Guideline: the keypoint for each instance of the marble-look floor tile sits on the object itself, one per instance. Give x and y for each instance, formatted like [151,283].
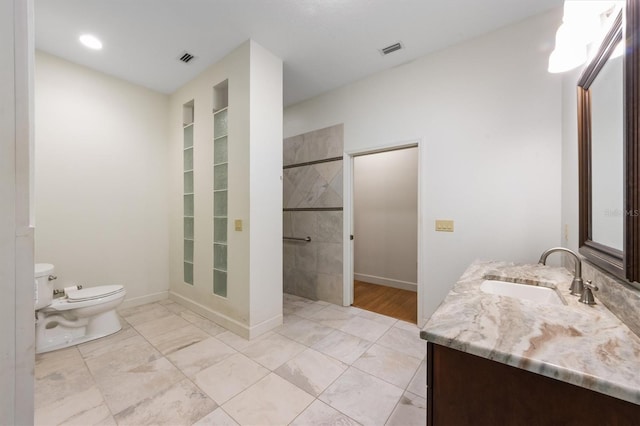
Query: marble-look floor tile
[334,316]
[160,326]
[100,346]
[382,319]
[311,371]
[305,331]
[364,398]
[294,300]
[229,377]
[404,341]
[97,416]
[122,356]
[217,417]
[410,411]
[418,384]
[309,310]
[202,323]
[342,346]
[195,358]
[177,339]
[52,362]
[84,407]
[364,328]
[174,307]
[181,404]
[274,351]
[144,313]
[319,413]
[287,320]
[289,311]
[134,310]
[60,375]
[409,326]
[240,343]
[271,401]
[127,376]
[389,365]
[122,390]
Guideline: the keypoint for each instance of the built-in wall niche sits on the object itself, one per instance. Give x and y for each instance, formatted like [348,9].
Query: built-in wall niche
[221,96]
[188,193]
[220,187]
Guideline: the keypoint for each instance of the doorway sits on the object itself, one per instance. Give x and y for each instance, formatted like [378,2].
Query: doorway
[384,217]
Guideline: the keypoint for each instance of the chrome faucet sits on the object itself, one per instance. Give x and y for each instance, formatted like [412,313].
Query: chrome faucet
[577,285]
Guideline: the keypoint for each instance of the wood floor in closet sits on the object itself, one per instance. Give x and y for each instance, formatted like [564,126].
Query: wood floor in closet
[393,302]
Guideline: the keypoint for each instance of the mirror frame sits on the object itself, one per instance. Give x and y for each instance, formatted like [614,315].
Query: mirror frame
[625,263]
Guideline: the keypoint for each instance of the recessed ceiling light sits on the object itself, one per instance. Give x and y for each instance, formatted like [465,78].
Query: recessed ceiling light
[91,41]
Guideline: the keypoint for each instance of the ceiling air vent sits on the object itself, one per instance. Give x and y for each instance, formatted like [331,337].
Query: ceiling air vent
[390,49]
[186,57]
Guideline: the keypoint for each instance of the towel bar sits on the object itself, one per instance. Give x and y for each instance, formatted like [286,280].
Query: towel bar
[307,239]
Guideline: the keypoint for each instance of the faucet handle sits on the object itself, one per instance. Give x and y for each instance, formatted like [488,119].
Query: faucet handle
[587,296]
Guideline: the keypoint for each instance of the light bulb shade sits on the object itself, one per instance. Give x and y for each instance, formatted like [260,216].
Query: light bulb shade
[562,60]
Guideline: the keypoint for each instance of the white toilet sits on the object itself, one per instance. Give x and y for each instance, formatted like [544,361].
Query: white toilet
[81,315]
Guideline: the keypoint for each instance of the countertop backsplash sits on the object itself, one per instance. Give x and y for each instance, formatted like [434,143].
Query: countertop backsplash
[619,297]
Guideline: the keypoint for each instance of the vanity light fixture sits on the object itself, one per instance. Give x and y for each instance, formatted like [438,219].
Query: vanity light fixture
[570,51]
[582,22]
[90,41]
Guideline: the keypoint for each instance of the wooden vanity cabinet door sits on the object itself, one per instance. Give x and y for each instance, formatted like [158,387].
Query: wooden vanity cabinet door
[464,389]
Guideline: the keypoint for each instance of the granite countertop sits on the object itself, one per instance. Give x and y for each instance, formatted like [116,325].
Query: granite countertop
[585,345]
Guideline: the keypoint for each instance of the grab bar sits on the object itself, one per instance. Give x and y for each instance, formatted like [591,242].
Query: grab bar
[307,239]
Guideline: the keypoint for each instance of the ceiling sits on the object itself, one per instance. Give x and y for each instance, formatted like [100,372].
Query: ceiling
[324,44]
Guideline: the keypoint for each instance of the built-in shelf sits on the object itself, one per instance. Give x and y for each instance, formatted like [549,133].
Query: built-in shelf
[188,192]
[220,187]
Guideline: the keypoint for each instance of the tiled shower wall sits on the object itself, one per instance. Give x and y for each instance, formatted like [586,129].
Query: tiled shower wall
[312,207]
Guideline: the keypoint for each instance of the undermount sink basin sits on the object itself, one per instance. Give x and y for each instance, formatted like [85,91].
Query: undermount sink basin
[521,291]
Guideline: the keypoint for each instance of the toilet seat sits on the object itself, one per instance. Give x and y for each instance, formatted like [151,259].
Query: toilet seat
[94,297]
[91,293]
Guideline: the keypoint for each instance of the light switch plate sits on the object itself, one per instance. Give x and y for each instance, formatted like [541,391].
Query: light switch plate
[238,224]
[444,225]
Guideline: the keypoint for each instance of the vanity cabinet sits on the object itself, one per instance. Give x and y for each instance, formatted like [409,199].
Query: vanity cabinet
[465,389]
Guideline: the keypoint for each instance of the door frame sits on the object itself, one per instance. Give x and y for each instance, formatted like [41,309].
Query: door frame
[348,220]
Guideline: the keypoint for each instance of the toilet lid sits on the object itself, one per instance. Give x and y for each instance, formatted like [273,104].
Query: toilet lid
[93,292]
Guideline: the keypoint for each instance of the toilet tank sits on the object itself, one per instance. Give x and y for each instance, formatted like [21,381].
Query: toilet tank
[43,286]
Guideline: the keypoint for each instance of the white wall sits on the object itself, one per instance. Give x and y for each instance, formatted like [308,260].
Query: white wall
[489,116]
[254,258]
[385,209]
[16,225]
[570,199]
[101,180]
[265,164]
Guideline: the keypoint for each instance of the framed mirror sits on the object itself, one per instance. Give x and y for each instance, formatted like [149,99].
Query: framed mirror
[609,156]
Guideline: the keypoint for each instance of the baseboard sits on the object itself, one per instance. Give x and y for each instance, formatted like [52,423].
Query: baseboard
[372,279]
[265,326]
[142,300]
[230,324]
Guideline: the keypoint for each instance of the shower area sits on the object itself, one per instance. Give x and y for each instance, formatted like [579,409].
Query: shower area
[312,214]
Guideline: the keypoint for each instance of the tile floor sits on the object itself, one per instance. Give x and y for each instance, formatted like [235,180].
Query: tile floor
[326,365]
